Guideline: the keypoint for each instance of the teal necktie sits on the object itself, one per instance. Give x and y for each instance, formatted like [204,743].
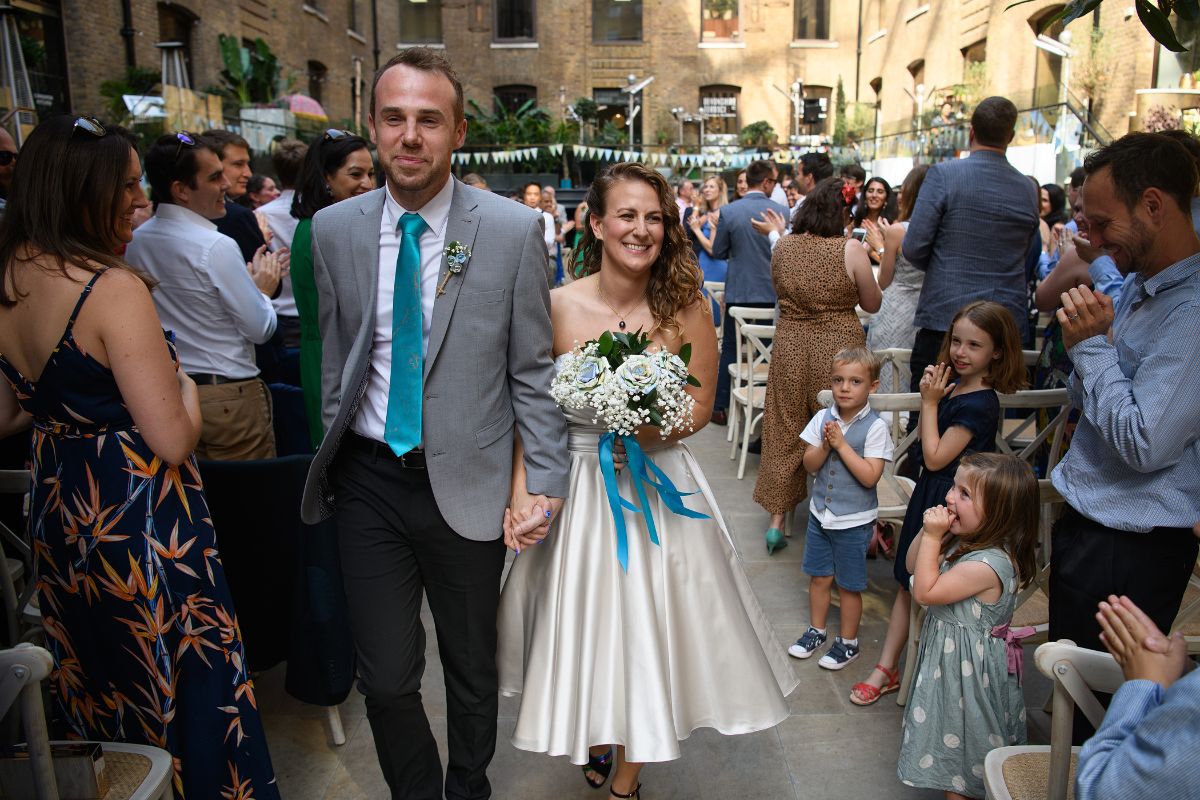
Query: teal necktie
[402,428]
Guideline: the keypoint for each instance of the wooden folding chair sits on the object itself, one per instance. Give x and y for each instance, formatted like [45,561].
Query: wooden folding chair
[136,772]
[741,370]
[1031,771]
[750,398]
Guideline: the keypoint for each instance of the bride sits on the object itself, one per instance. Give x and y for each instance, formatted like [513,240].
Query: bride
[634,660]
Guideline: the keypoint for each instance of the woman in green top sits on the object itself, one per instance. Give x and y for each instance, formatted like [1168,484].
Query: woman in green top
[337,167]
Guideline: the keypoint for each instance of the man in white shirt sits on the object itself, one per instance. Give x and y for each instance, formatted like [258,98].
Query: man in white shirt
[287,158]
[215,302]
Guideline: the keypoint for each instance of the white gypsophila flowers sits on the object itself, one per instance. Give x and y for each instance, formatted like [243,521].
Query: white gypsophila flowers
[616,398]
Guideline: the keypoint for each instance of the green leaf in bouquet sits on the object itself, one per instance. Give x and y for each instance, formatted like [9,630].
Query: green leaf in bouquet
[692,381]
[605,343]
[685,353]
[622,339]
[656,418]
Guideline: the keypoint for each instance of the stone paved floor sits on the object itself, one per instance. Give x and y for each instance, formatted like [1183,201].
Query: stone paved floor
[826,748]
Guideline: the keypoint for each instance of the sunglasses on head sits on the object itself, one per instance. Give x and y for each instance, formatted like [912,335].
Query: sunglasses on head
[184,138]
[91,125]
[333,134]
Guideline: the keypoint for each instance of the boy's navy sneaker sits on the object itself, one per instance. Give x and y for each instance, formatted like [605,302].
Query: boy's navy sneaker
[839,655]
[807,644]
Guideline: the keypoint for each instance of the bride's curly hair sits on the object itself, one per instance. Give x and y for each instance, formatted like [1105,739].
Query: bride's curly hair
[675,278]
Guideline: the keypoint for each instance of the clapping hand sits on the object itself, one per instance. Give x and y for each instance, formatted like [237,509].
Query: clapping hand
[1138,645]
[935,384]
[1085,313]
[833,435]
[771,221]
[875,233]
[1086,250]
[264,270]
[936,522]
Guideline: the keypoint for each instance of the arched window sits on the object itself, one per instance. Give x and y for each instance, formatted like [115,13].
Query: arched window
[514,95]
[317,73]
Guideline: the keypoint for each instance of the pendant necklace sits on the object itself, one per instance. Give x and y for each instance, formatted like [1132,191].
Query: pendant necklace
[619,315]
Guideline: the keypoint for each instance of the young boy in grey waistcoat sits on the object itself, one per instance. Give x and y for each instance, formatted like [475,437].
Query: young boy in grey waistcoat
[848,445]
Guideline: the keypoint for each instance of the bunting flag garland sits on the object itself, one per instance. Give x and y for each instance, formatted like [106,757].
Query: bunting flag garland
[678,160]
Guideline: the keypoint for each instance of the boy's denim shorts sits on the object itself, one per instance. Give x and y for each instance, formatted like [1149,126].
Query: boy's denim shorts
[841,553]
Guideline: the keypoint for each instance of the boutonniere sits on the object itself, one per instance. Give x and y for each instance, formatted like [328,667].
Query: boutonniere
[457,254]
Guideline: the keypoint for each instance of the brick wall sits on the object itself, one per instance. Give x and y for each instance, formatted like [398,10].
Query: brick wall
[895,34]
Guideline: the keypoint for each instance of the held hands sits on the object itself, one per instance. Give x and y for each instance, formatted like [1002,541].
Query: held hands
[771,221]
[527,519]
[1085,313]
[1138,645]
[935,384]
[936,522]
[265,270]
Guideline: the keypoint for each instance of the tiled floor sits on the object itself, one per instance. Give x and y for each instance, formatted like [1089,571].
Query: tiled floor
[827,747]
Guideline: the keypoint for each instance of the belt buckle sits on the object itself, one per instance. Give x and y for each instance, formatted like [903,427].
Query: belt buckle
[410,460]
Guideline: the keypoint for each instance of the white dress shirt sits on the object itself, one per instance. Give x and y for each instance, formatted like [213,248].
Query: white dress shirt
[372,411]
[279,217]
[205,293]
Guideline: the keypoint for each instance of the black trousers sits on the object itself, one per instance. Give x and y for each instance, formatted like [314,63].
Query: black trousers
[1089,561]
[728,353]
[395,546]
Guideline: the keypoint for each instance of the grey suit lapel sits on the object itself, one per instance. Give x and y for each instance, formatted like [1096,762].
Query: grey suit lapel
[461,226]
[365,249]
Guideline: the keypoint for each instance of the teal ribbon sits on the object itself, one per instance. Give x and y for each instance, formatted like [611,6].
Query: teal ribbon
[640,467]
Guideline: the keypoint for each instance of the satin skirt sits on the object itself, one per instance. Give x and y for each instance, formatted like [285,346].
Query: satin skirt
[644,657]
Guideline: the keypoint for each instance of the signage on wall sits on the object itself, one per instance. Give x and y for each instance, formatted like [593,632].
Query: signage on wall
[719,105]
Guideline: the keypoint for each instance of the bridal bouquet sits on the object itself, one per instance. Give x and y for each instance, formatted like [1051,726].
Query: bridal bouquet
[626,385]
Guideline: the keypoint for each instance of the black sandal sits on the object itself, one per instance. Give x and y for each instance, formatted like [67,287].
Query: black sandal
[601,765]
[636,793]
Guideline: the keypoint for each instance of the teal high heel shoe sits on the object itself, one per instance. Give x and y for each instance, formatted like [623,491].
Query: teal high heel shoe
[775,540]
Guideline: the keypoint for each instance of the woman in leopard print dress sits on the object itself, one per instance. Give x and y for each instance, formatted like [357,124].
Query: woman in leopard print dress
[819,276]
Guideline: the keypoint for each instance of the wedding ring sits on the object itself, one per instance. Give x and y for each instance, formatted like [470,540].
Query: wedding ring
[1073,317]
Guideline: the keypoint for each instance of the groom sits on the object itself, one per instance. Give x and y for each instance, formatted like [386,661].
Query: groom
[428,361]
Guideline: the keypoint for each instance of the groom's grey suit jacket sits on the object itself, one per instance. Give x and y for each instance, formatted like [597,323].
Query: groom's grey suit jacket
[489,361]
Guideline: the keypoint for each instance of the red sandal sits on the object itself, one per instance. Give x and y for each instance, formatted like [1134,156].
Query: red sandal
[873,693]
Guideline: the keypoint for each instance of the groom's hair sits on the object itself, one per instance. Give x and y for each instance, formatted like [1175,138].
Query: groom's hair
[425,60]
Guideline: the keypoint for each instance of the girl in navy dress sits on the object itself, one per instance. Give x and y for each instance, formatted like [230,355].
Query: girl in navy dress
[960,413]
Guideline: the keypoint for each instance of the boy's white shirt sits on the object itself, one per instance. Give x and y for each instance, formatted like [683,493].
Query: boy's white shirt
[878,444]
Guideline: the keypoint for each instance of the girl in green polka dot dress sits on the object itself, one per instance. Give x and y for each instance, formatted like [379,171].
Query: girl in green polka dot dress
[968,561]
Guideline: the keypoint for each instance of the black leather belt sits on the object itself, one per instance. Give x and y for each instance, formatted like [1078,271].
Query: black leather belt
[413,459]
[208,379]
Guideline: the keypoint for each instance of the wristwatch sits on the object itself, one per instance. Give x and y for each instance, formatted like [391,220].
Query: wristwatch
[879,251]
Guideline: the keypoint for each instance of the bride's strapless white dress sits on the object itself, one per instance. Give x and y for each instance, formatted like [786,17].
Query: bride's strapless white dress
[640,658]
